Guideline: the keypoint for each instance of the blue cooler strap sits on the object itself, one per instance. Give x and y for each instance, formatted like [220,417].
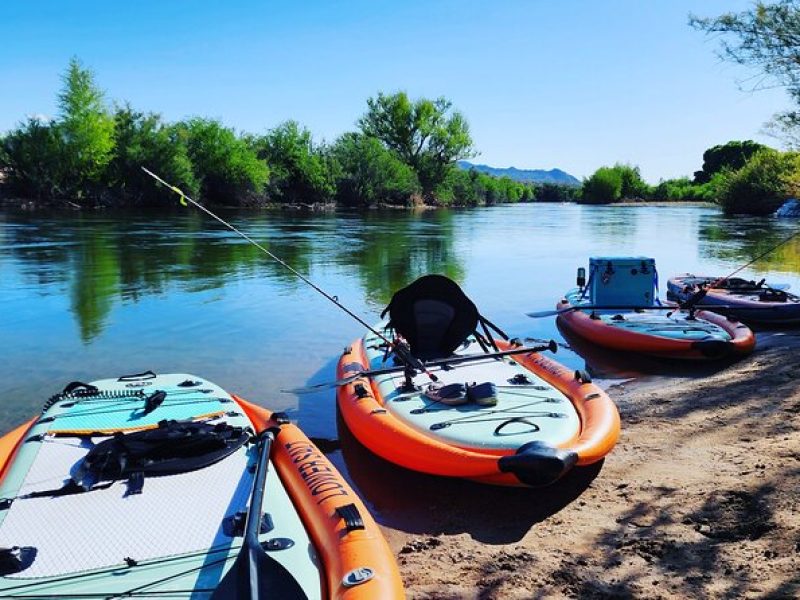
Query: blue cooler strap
[588,283]
[656,299]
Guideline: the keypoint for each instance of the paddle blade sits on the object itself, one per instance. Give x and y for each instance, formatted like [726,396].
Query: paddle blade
[544,313]
[274,581]
[322,386]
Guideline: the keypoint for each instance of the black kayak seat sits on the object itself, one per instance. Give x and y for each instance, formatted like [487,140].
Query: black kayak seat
[434,315]
[172,447]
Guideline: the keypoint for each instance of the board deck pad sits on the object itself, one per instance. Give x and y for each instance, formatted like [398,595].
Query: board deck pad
[71,532]
[550,415]
[173,538]
[658,323]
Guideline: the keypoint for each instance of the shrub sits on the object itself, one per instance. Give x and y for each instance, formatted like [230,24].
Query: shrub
[300,172]
[369,173]
[143,140]
[227,169]
[32,158]
[604,186]
[761,185]
[555,192]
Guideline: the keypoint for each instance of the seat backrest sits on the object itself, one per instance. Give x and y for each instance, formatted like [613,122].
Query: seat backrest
[434,315]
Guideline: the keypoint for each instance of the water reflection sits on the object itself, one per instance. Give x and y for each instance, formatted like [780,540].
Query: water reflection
[743,239]
[602,223]
[97,294]
[390,253]
[103,260]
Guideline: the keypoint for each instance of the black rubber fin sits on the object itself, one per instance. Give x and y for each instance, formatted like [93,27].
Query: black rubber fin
[538,464]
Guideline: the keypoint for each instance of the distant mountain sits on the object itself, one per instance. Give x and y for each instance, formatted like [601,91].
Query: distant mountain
[534,175]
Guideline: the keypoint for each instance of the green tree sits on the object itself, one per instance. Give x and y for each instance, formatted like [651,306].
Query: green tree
[604,186]
[555,192]
[32,158]
[370,173]
[142,140]
[767,38]
[86,127]
[633,186]
[467,187]
[300,172]
[227,169]
[731,156]
[761,185]
[426,134]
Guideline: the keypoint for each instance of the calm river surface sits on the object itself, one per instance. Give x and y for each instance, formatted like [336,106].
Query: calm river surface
[89,296]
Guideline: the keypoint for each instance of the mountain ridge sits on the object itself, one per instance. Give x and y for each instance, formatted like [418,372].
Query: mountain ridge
[556,176]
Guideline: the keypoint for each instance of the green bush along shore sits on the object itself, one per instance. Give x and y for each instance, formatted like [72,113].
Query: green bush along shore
[404,153]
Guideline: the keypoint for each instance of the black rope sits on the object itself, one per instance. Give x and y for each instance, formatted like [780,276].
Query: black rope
[160,561]
[444,424]
[499,331]
[93,411]
[488,333]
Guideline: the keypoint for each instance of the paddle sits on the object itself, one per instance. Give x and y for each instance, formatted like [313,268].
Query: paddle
[255,575]
[551,345]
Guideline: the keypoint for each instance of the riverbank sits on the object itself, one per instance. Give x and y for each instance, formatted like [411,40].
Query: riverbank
[32,206]
[700,499]
[663,203]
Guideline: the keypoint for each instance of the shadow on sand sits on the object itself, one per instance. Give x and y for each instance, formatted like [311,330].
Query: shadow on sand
[426,504]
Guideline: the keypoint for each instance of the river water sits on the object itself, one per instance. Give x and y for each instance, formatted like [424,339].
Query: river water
[93,295]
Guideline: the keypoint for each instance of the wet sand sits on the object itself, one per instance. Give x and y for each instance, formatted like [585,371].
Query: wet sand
[700,499]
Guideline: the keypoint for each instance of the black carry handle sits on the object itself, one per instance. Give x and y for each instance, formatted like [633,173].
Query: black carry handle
[138,376]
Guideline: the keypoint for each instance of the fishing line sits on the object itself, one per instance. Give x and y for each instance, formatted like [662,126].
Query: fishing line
[401,352]
[699,295]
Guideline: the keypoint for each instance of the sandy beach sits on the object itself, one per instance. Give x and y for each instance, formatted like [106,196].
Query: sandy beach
[699,500]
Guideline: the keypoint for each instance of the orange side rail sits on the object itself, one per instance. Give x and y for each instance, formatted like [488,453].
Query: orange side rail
[600,423]
[318,490]
[742,338]
[395,441]
[9,444]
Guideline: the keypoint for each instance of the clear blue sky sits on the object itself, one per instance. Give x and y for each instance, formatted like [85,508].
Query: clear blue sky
[571,84]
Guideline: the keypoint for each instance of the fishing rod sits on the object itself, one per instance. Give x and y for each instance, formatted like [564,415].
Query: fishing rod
[401,349]
[701,293]
[439,362]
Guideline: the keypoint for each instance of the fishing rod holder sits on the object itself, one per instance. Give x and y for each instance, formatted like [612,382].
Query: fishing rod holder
[408,385]
[580,280]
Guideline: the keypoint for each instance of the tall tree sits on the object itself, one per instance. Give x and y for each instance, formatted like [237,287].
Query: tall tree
[144,140]
[86,127]
[766,37]
[426,134]
[733,155]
